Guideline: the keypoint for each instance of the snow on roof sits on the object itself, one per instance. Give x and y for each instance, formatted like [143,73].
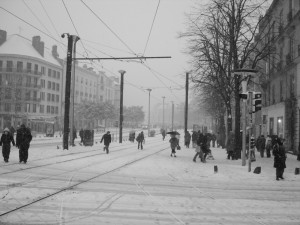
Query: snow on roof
[18,45]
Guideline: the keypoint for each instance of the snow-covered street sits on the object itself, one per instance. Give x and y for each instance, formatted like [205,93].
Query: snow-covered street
[84,185]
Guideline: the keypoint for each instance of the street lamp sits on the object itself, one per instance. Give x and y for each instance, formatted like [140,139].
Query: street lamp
[122,72]
[149,112]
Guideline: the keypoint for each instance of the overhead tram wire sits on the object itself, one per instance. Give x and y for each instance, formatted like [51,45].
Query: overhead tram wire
[49,18]
[117,36]
[74,26]
[151,27]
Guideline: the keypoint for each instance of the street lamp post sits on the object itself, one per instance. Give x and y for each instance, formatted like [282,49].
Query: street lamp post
[122,72]
[149,112]
[163,125]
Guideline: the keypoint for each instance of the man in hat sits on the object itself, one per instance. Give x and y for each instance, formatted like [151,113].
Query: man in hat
[6,138]
[23,140]
[107,140]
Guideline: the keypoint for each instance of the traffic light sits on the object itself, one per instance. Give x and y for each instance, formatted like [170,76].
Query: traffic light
[243,95]
[256,101]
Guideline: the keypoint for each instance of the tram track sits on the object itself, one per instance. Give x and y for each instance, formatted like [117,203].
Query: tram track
[68,187]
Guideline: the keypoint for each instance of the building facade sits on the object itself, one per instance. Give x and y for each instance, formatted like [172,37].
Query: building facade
[281,72]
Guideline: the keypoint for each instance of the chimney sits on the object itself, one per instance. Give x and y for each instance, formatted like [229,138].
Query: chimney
[38,45]
[54,51]
[41,48]
[3,36]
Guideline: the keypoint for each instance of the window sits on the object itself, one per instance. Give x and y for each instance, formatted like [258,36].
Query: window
[35,81]
[48,109]
[58,75]
[49,72]
[54,74]
[18,107]
[280,126]
[49,84]
[48,97]
[271,126]
[43,70]
[9,66]
[56,110]
[57,98]
[36,69]
[27,95]
[43,83]
[28,67]
[7,107]
[42,109]
[35,95]
[53,97]
[19,66]
[7,93]
[42,95]
[57,87]
[52,109]
[53,85]
[27,107]
[18,94]
[34,108]
[28,81]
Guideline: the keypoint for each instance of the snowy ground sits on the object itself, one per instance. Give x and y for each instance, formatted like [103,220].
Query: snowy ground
[84,185]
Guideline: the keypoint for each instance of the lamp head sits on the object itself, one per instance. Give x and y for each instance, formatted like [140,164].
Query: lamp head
[122,71]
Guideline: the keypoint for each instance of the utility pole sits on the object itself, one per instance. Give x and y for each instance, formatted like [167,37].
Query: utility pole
[67,91]
[163,125]
[73,93]
[172,115]
[122,72]
[149,112]
[186,102]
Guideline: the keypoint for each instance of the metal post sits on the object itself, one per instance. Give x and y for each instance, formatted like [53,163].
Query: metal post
[186,102]
[172,115]
[250,132]
[163,125]
[67,93]
[149,112]
[72,92]
[244,90]
[122,72]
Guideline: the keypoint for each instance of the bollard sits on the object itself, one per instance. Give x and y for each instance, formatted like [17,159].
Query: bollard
[215,169]
[297,170]
[257,170]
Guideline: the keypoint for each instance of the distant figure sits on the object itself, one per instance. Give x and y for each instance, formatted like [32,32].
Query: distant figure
[163,133]
[74,135]
[140,139]
[5,141]
[279,159]
[174,142]
[230,145]
[23,140]
[187,139]
[261,145]
[107,140]
[81,132]
[268,147]
[213,138]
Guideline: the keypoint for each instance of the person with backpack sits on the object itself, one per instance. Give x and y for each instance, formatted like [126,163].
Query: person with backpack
[5,141]
[23,140]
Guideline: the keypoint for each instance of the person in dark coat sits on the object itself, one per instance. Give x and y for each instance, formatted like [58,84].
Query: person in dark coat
[261,145]
[201,147]
[163,133]
[230,145]
[187,139]
[140,139]
[81,135]
[279,159]
[107,140]
[174,142]
[5,141]
[23,140]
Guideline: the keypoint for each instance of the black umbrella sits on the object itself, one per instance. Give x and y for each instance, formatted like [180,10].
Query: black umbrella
[173,133]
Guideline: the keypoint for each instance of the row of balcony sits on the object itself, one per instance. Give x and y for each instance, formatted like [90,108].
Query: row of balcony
[20,71]
[21,99]
[20,86]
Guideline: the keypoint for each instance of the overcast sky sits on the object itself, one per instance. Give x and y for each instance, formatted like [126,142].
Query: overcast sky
[118,28]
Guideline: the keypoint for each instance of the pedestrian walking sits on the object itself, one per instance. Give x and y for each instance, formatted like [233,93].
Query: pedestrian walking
[187,139]
[261,145]
[268,147]
[23,140]
[279,159]
[81,132]
[213,138]
[163,133]
[140,139]
[230,145]
[201,145]
[107,140]
[174,143]
[5,141]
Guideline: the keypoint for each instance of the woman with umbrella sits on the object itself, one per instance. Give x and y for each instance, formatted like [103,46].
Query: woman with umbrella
[174,142]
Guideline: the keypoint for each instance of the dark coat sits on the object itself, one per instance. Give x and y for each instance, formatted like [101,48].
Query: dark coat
[279,156]
[5,141]
[187,137]
[24,138]
[140,137]
[81,133]
[174,142]
[107,139]
[194,136]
